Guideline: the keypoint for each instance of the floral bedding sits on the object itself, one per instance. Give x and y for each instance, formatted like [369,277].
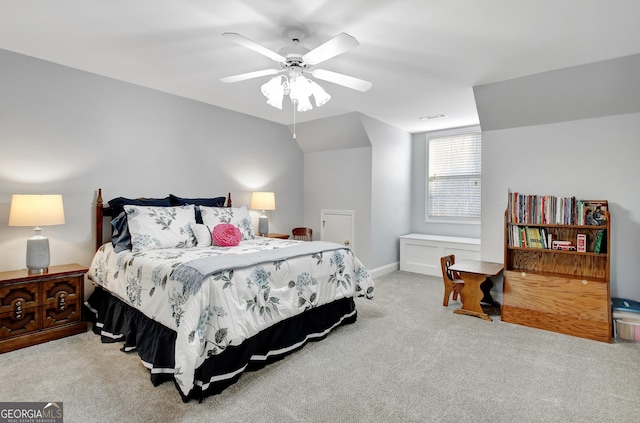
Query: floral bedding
[232,302]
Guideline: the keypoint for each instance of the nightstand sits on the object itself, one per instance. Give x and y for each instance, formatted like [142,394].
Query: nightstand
[39,308]
[281,236]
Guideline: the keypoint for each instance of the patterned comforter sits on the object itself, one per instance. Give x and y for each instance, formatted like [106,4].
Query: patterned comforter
[233,298]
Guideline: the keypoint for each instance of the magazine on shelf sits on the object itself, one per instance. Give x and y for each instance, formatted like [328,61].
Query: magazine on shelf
[595,212]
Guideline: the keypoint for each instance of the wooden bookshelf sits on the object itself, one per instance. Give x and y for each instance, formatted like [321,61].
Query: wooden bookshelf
[564,291]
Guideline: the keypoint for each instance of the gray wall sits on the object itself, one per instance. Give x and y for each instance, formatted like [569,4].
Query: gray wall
[586,148]
[390,190]
[598,89]
[70,132]
[340,180]
[364,166]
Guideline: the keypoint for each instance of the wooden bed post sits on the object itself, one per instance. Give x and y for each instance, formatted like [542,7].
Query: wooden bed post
[99,219]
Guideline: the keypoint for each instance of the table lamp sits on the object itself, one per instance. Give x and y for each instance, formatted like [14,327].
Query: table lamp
[263,201]
[37,211]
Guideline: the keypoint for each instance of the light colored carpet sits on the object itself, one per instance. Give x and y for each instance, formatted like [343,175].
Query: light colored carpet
[406,359]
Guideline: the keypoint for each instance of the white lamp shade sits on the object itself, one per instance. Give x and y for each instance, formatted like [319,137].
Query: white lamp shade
[274,91]
[36,210]
[263,201]
[300,93]
[320,95]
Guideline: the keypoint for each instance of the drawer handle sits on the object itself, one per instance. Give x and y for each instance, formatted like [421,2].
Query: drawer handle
[523,274]
[18,310]
[61,302]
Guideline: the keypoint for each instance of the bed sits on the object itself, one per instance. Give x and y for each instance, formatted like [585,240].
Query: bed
[200,315]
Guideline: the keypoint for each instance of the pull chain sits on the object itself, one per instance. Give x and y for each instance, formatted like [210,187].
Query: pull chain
[294,120]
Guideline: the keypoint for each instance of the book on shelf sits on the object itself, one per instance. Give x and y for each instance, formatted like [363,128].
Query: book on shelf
[538,237]
[528,237]
[581,243]
[534,237]
[522,237]
[554,210]
[601,242]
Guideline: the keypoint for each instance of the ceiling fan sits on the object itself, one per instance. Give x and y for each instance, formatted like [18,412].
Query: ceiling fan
[295,61]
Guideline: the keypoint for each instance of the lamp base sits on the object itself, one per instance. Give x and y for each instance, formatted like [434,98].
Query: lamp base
[38,254]
[263,226]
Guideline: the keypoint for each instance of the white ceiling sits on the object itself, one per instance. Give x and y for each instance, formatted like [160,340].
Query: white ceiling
[423,56]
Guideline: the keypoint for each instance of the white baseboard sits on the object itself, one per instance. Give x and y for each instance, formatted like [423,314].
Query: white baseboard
[383,270]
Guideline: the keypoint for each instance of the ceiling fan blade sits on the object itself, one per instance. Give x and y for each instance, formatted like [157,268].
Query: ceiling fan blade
[249,75]
[344,80]
[245,42]
[335,46]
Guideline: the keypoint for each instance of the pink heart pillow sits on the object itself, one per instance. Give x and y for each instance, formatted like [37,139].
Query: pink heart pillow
[226,235]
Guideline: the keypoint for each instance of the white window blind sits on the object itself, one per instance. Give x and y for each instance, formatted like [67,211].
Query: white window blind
[454,177]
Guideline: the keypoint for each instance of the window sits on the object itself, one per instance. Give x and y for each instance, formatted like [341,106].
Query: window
[454,179]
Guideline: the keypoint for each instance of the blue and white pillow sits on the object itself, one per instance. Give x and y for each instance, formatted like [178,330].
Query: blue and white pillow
[160,227]
[237,216]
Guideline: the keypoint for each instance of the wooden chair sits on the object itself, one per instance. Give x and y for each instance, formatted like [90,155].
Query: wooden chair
[453,283]
[302,234]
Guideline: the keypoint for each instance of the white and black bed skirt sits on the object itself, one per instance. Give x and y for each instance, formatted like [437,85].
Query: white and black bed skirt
[115,321]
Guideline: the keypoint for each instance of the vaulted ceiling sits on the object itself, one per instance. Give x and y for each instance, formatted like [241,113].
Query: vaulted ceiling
[422,56]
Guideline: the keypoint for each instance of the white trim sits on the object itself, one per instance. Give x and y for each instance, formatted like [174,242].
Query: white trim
[281,351]
[158,370]
[384,270]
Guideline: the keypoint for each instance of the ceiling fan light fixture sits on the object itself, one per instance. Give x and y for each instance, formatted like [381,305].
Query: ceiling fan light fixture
[298,88]
[300,92]
[319,94]
[274,91]
[294,60]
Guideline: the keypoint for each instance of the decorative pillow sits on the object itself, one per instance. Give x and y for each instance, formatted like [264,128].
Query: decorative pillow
[226,235]
[202,233]
[237,216]
[160,227]
[211,202]
[120,236]
[117,204]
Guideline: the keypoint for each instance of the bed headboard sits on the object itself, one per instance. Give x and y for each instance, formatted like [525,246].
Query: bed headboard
[103,212]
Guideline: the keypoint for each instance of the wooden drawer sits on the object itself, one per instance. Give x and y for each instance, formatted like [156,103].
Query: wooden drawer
[61,290]
[22,295]
[573,306]
[19,311]
[14,323]
[61,314]
[61,301]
